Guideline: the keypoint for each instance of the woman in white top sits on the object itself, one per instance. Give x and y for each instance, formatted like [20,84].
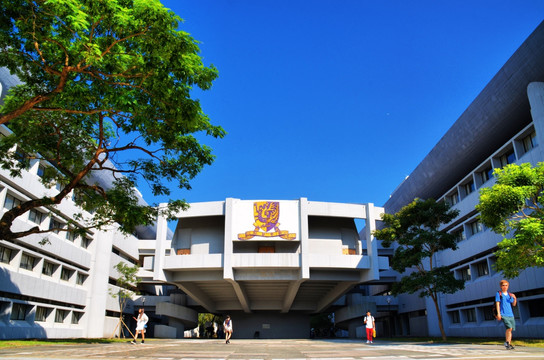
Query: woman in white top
[141,322]
[227,326]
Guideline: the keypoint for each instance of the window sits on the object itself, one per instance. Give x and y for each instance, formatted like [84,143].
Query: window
[48,268]
[41,170]
[76,316]
[452,199]
[465,274]
[18,311]
[471,315]
[529,142]
[535,308]
[80,279]
[486,174]
[56,225]
[459,235]
[11,202]
[488,313]
[66,274]
[507,158]
[469,187]
[27,262]
[85,242]
[5,254]
[71,235]
[42,313]
[455,317]
[35,216]
[482,269]
[60,315]
[476,227]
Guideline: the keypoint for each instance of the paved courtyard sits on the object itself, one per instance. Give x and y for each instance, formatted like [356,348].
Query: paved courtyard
[186,349]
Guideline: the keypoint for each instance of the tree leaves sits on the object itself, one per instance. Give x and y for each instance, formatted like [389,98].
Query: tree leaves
[106,88]
[514,206]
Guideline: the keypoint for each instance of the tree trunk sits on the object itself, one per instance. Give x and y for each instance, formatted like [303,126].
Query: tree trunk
[440,324]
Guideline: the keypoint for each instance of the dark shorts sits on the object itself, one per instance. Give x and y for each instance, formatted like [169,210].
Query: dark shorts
[509,322]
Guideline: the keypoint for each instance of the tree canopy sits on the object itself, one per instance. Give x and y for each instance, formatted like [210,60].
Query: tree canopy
[415,229]
[513,207]
[106,87]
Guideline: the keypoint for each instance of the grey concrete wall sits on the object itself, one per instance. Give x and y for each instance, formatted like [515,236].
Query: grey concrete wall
[270,325]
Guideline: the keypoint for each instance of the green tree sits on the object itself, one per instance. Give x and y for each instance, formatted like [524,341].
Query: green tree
[107,87]
[127,283]
[415,229]
[513,207]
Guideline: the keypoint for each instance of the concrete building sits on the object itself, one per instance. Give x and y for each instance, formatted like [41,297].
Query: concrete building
[269,264]
[503,125]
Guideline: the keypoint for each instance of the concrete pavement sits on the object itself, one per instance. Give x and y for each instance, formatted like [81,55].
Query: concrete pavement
[187,349]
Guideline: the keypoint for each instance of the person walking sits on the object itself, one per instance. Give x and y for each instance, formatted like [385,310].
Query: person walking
[504,301]
[227,326]
[141,324]
[370,327]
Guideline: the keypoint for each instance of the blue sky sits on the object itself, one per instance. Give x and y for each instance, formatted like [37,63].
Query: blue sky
[339,100]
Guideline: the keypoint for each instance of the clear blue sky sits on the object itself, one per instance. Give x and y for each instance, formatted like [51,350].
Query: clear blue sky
[339,100]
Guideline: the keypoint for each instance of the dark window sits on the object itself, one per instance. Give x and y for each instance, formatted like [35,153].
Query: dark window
[11,202]
[48,268]
[476,227]
[471,315]
[459,235]
[507,158]
[5,254]
[18,311]
[469,187]
[529,142]
[66,274]
[35,216]
[42,313]
[55,225]
[85,242]
[76,316]
[482,268]
[465,274]
[452,199]
[455,317]
[80,279]
[486,174]
[60,315]
[27,262]
[535,308]
[488,313]
[41,170]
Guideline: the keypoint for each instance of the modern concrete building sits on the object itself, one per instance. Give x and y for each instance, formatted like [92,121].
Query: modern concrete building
[269,264]
[503,125]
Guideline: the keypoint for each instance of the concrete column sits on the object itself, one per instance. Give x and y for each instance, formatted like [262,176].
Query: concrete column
[535,92]
[97,295]
[162,230]
[304,239]
[228,246]
[371,244]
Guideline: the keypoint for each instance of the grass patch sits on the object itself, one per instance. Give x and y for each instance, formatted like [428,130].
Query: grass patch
[44,342]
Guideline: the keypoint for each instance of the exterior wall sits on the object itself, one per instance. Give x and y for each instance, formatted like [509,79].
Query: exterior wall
[496,124]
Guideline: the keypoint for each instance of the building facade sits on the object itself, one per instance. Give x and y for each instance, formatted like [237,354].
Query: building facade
[503,125]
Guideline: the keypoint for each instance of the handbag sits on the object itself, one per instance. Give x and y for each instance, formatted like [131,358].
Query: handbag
[373,332]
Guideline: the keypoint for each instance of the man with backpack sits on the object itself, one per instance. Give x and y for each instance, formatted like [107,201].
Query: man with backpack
[504,301]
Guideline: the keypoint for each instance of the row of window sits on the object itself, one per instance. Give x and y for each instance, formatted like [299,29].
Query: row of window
[530,308]
[55,225]
[48,268]
[485,172]
[42,314]
[473,271]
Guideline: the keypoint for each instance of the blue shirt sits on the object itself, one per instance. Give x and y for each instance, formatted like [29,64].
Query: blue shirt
[505,303]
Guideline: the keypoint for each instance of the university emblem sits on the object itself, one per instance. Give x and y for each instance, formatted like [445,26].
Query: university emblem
[266,215]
